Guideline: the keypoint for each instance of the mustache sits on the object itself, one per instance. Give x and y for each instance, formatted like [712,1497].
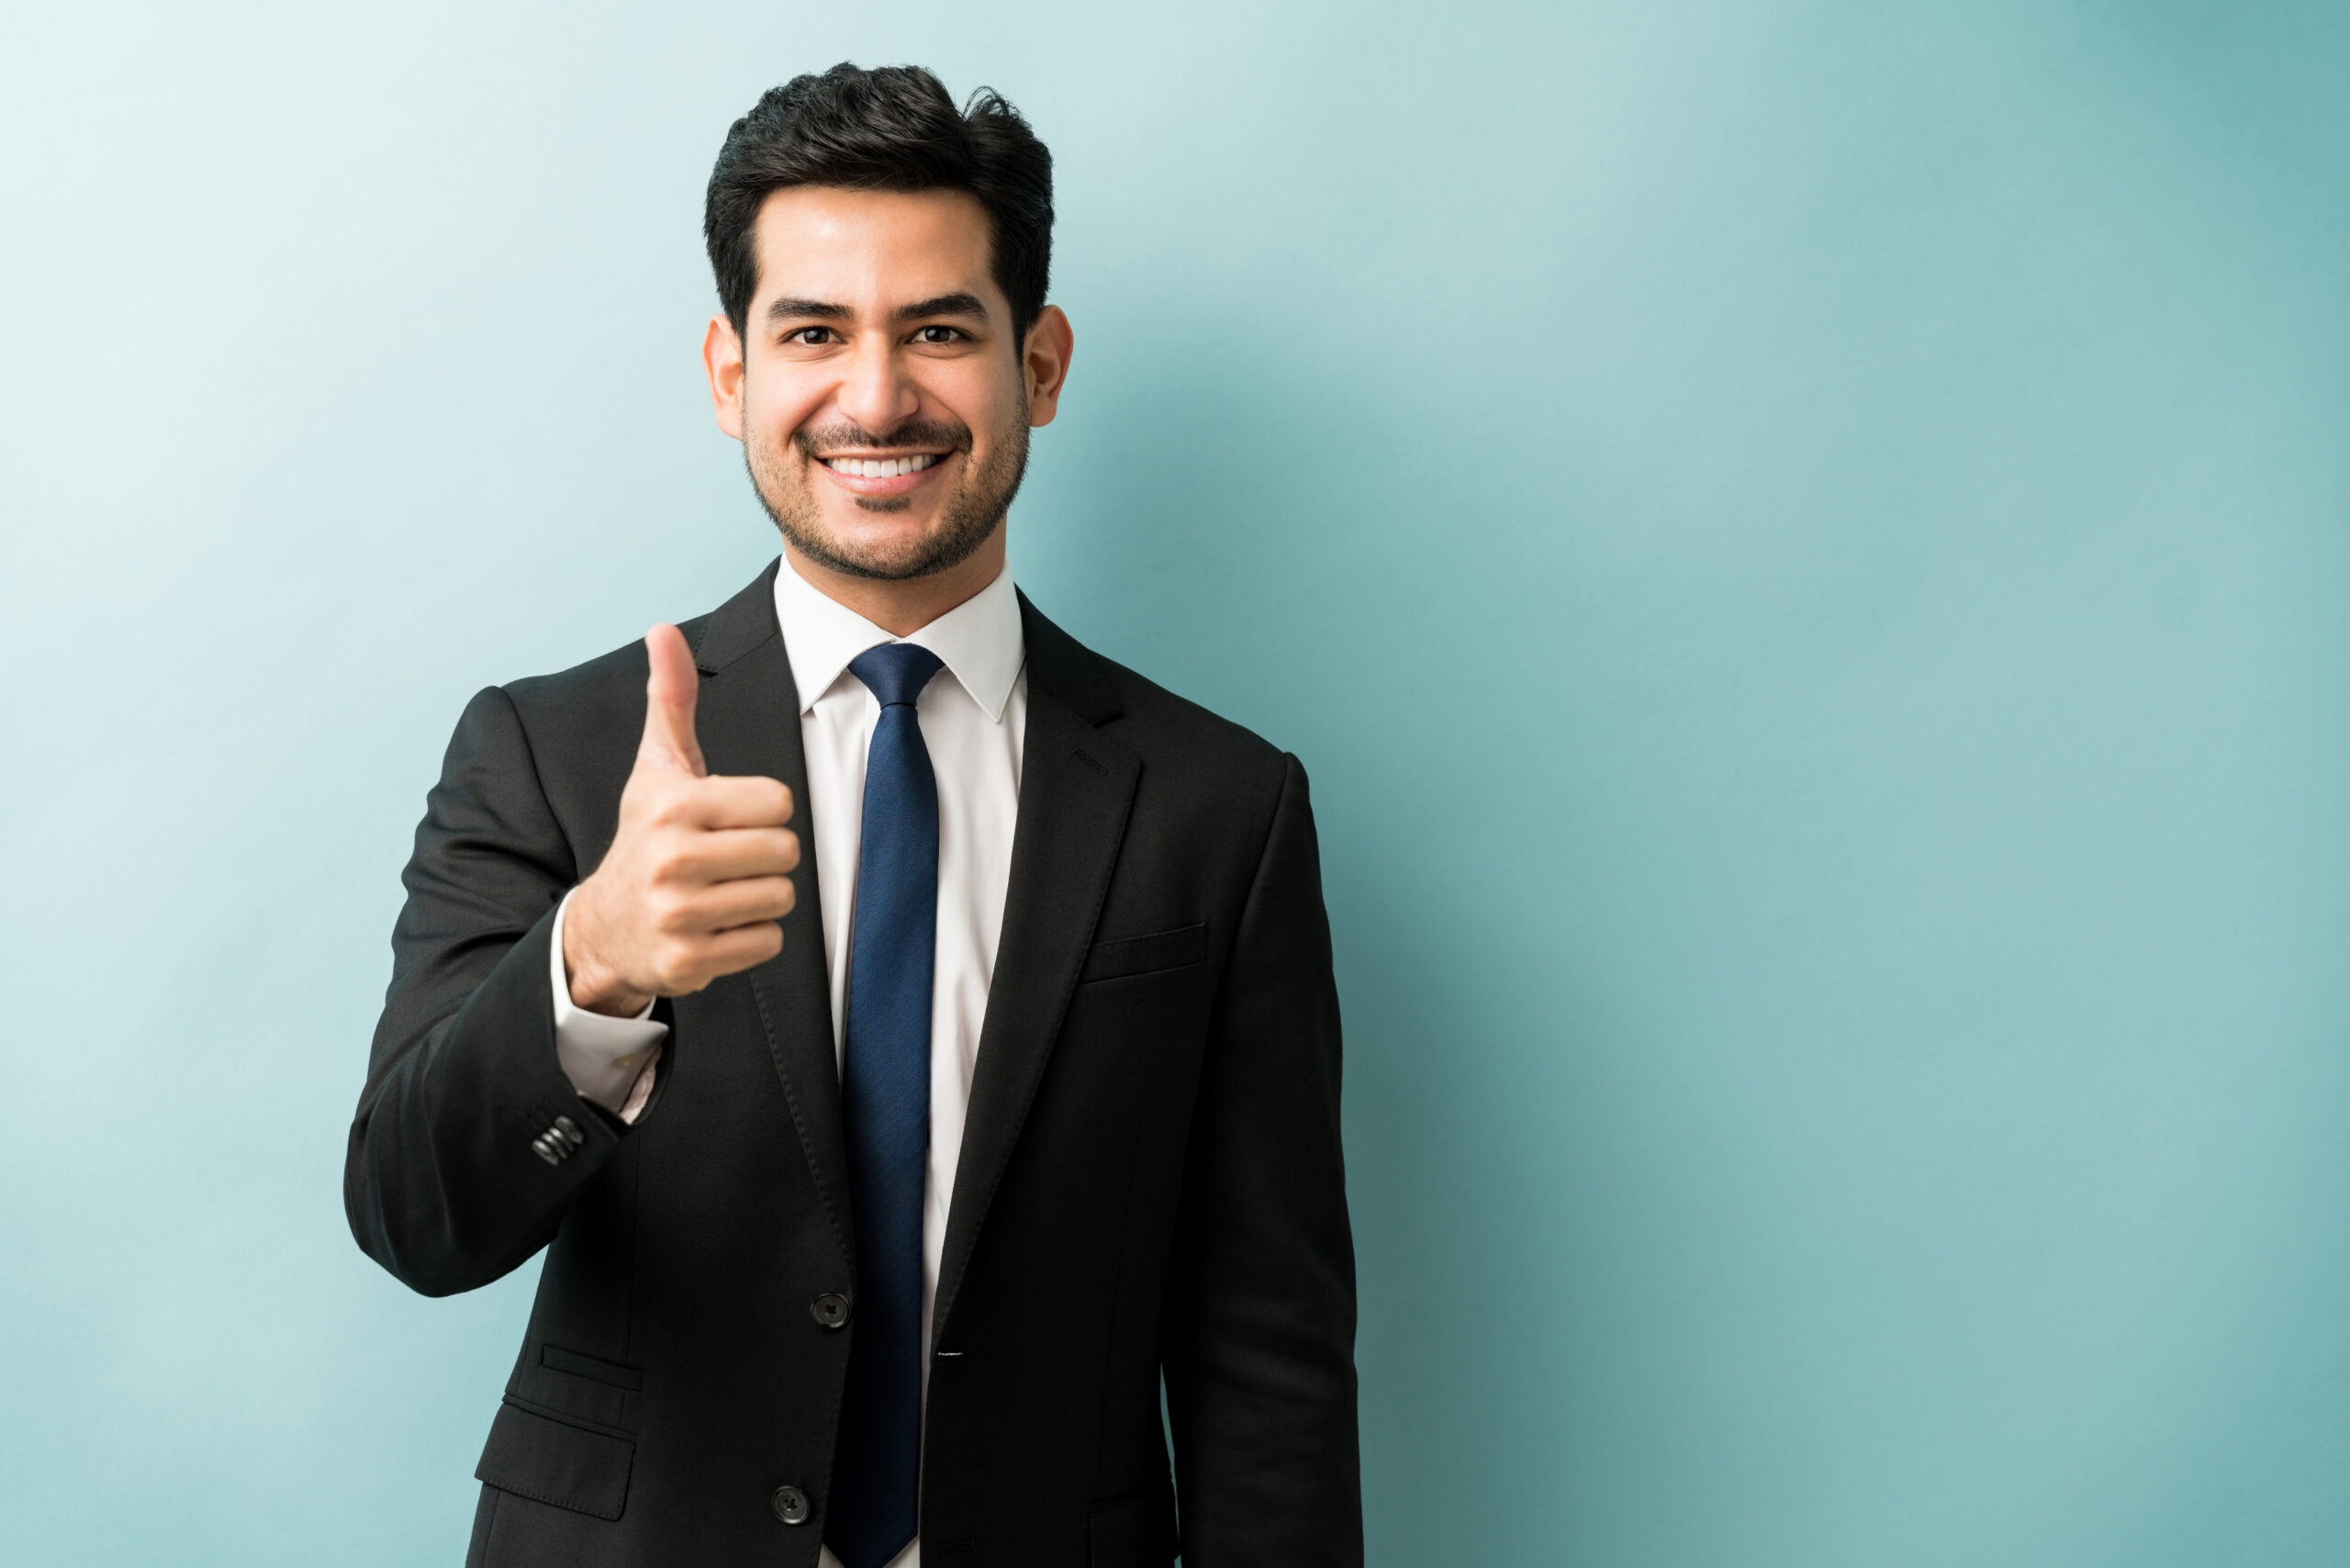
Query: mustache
[815,441]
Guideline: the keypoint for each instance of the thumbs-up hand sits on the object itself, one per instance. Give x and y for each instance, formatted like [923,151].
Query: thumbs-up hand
[698,872]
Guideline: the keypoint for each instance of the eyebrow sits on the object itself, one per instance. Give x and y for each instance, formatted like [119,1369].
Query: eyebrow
[946,305]
[782,308]
[938,305]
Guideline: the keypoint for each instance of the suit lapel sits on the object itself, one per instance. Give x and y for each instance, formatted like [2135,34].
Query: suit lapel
[1076,787]
[748,722]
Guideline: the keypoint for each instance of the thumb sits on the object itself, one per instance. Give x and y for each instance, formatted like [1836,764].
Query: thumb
[669,693]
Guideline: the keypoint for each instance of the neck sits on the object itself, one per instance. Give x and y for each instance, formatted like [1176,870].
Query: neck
[904,606]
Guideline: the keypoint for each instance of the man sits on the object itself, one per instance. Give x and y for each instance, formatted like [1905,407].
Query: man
[911,1035]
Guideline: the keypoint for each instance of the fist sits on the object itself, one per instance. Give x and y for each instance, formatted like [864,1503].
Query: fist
[700,870]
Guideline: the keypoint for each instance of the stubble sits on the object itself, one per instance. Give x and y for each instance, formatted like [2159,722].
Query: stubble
[784,479]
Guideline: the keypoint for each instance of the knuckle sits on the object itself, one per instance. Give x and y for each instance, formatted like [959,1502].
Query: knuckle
[681,972]
[767,942]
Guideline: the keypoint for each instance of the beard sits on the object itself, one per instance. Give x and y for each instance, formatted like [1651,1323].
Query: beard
[782,478]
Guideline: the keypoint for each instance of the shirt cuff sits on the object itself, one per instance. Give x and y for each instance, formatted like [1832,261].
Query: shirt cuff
[609,1061]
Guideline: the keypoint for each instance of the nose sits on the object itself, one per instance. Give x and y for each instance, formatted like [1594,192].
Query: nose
[875,392]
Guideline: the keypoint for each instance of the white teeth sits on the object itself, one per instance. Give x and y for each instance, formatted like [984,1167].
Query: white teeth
[879,467]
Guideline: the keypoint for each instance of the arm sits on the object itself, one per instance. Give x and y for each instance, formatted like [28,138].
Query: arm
[472,1138]
[1260,1312]
[445,1182]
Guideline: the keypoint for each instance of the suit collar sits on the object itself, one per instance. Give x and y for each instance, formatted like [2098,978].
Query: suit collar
[1061,665]
[741,625]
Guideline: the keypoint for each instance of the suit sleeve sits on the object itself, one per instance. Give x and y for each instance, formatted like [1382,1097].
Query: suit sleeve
[1261,1319]
[470,1144]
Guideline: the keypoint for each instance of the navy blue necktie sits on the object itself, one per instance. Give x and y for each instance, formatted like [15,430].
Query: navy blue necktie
[885,1098]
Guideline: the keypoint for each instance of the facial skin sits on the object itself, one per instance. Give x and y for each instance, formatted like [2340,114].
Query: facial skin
[878,334]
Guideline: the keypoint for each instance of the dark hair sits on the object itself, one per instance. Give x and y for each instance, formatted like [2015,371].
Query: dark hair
[889,130]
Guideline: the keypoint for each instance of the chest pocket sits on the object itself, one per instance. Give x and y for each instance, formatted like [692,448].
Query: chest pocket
[1128,956]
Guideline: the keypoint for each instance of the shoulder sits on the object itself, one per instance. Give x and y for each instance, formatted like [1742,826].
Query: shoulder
[572,736]
[590,699]
[1163,724]
[593,697]
[1179,742]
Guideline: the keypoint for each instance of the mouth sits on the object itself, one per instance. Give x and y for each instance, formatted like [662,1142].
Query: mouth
[882,468]
[885,484]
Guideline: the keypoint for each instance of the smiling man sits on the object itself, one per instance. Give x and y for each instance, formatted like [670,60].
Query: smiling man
[910,1035]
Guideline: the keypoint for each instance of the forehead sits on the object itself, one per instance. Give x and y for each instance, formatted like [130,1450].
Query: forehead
[870,250]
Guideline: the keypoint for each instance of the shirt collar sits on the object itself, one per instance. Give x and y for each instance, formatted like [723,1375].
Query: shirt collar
[979,640]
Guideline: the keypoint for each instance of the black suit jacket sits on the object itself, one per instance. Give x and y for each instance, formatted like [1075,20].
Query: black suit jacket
[1150,1181]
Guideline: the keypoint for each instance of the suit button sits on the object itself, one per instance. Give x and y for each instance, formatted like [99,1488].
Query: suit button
[551,1148]
[830,1310]
[791,1505]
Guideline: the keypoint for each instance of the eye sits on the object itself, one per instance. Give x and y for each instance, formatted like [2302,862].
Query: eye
[938,334]
[810,337]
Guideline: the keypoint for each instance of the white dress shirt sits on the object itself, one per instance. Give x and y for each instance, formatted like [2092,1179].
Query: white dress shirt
[974,716]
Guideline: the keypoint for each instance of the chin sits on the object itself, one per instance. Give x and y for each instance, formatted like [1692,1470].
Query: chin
[882,545]
[880,552]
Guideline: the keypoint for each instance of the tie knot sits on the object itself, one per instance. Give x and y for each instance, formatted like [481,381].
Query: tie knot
[895,672]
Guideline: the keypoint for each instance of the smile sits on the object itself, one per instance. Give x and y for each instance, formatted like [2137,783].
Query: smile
[881,467]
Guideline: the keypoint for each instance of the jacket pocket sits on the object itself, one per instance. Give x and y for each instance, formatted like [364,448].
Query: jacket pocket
[579,1364]
[1134,1529]
[535,1454]
[584,1390]
[1145,955]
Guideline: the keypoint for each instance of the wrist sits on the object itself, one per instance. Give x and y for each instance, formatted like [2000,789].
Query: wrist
[593,985]
[590,994]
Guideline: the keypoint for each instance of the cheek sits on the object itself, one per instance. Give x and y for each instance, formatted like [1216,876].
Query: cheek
[988,404]
[776,403]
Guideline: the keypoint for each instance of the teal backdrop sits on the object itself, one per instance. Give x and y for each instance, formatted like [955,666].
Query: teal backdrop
[1804,546]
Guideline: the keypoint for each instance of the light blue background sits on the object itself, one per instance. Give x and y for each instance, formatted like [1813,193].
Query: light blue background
[1804,546]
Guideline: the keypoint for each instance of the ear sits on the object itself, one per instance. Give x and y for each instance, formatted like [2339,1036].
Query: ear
[1045,361]
[721,358]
